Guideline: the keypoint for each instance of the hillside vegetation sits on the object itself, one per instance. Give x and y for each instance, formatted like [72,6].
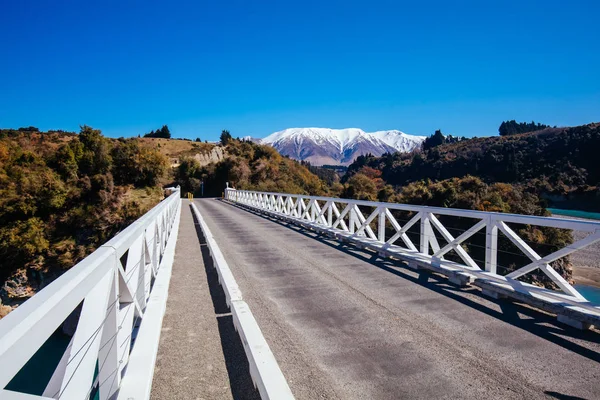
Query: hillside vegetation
[556,163]
[62,195]
[515,173]
[248,166]
[174,149]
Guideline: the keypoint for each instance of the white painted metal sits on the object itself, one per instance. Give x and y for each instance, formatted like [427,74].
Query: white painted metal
[264,369]
[491,245]
[429,253]
[111,299]
[137,382]
[10,395]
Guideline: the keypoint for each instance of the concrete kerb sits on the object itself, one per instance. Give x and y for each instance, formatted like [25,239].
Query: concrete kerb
[264,369]
[568,314]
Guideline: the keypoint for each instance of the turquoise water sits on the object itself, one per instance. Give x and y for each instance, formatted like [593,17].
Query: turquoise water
[36,374]
[575,213]
[589,292]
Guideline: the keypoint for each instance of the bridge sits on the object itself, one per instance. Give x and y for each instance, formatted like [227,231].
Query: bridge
[280,296]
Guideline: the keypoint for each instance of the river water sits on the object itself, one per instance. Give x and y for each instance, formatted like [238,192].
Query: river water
[575,213]
[589,292]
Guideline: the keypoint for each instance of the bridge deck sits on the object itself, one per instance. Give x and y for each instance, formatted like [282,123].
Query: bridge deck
[199,355]
[344,325]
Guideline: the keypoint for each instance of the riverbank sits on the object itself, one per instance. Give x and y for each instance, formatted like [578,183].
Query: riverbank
[586,262]
[588,276]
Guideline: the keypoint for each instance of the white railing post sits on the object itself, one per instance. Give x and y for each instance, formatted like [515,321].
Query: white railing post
[425,232]
[109,376]
[351,220]
[381,225]
[79,373]
[491,245]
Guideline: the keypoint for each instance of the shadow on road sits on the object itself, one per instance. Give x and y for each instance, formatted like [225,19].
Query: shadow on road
[520,315]
[236,362]
[561,396]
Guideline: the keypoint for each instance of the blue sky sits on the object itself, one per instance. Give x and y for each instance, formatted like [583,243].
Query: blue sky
[255,67]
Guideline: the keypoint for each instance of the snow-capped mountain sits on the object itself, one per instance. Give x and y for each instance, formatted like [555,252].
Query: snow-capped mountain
[323,146]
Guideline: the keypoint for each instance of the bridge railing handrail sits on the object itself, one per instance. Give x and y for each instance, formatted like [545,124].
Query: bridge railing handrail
[109,289]
[370,230]
[579,225]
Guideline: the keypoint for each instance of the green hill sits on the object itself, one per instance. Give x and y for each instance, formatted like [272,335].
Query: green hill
[63,194]
[559,164]
[249,166]
[516,173]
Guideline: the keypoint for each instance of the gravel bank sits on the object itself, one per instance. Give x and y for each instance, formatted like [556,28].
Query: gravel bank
[586,262]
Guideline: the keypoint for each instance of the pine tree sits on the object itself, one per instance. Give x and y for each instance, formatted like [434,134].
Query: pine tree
[225,137]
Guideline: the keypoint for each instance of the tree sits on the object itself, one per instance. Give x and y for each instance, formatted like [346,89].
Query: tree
[360,187]
[96,157]
[138,165]
[152,166]
[163,132]
[65,160]
[188,174]
[225,137]
[513,127]
[434,140]
[198,139]
[386,193]
[438,138]
[28,129]
[22,243]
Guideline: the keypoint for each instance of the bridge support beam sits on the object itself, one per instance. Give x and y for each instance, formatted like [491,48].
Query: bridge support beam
[461,279]
[494,294]
[413,265]
[563,319]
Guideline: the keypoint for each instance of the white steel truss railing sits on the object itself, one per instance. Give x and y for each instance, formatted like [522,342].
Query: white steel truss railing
[345,219]
[112,290]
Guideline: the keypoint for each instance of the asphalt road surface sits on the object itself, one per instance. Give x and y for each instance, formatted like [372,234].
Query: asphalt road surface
[344,324]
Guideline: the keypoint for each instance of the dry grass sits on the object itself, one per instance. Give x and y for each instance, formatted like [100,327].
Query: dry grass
[48,142]
[145,197]
[175,148]
[42,143]
[4,310]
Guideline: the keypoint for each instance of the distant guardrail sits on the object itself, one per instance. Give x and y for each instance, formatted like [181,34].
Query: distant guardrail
[115,298]
[424,242]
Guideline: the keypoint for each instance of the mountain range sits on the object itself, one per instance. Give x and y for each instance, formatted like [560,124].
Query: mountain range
[324,146]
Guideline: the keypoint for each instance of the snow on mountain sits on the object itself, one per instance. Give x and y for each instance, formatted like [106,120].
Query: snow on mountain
[324,146]
[399,140]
